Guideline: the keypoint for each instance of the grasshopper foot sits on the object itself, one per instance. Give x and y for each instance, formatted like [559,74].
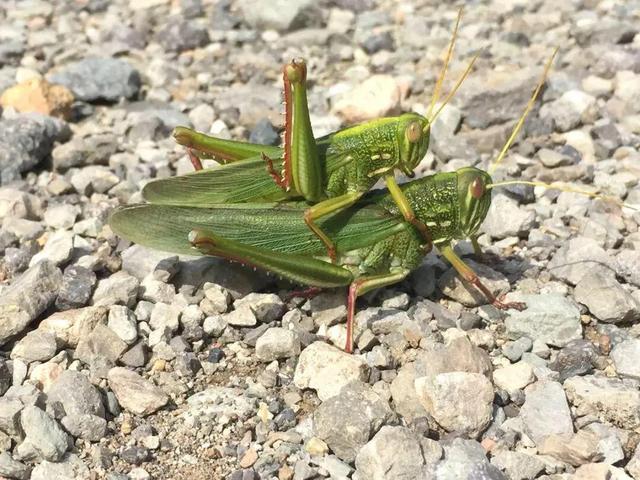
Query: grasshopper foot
[305,293]
[500,304]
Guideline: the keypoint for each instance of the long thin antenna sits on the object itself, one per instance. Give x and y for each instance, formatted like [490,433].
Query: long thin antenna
[455,88]
[528,108]
[443,72]
[562,188]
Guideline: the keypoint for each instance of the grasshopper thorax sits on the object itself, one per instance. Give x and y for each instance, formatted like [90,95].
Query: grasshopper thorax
[413,140]
[474,195]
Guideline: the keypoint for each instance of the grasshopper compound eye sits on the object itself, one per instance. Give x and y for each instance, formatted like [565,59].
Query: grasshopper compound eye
[477,188]
[414,132]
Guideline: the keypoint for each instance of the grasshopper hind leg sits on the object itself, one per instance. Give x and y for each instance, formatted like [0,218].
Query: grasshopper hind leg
[361,286]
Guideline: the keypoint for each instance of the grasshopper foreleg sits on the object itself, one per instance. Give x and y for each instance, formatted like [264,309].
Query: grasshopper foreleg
[195,161]
[467,273]
[407,212]
[279,179]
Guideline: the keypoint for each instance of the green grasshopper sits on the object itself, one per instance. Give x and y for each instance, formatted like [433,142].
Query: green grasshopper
[377,245]
[332,172]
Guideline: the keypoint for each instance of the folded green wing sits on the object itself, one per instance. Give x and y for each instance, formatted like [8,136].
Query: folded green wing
[277,227]
[238,182]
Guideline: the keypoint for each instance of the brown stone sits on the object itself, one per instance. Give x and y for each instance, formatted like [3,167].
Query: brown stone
[38,95]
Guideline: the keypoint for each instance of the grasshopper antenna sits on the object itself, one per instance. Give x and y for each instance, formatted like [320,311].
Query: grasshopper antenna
[443,72]
[563,188]
[527,109]
[455,88]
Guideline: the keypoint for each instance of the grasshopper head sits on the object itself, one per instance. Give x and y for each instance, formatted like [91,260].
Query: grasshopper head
[474,193]
[413,139]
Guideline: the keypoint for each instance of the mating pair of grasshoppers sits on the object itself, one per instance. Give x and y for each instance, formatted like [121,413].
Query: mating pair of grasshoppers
[316,222]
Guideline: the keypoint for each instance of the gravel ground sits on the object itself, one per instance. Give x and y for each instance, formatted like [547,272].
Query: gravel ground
[117,362]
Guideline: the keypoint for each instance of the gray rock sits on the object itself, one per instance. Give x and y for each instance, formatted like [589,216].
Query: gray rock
[37,345]
[552,158]
[101,348]
[514,350]
[6,377]
[575,449]
[570,110]
[136,356]
[156,291]
[506,219]
[277,343]
[72,325]
[70,468]
[576,358]
[626,358]
[99,79]
[552,319]
[397,453]
[181,34]
[264,133]
[513,377]
[606,299]
[26,140]
[27,298]
[628,265]
[123,322]
[496,97]
[545,411]
[10,409]
[23,230]
[633,465]
[61,216]
[473,392]
[43,434]
[82,151]
[12,468]
[466,459]
[347,420]
[579,257]
[119,288]
[169,116]
[58,249]
[241,317]
[608,398]
[141,262]
[85,426]
[214,325]
[75,393]
[281,15]
[267,307]
[93,179]
[166,316]
[134,393]
[609,444]
[75,290]
[518,465]
[459,355]
[327,369]
[403,393]
[217,401]
[187,364]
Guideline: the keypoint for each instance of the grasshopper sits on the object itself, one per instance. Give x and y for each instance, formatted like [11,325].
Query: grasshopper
[378,246]
[331,173]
